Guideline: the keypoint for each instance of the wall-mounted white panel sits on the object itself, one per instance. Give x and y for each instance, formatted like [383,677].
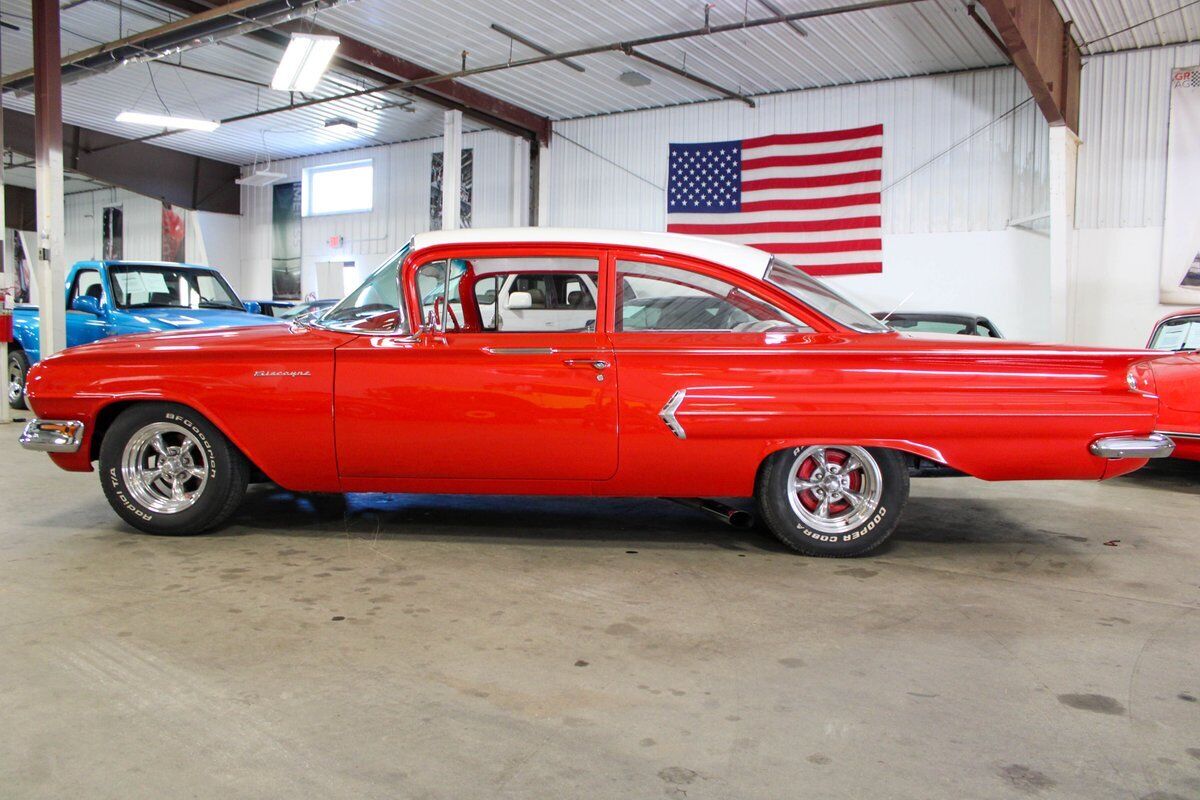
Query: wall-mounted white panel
[1124,99]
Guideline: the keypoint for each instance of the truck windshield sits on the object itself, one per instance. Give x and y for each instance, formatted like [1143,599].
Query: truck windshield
[150,286]
[821,298]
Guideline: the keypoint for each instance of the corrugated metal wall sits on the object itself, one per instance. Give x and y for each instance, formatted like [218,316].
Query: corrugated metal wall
[1125,101]
[957,156]
[401,205]
[84,222]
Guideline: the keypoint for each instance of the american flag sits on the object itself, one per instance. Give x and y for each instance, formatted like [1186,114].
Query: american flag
[811,198]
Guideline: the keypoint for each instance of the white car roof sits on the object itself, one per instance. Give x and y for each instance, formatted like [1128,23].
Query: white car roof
[735,256]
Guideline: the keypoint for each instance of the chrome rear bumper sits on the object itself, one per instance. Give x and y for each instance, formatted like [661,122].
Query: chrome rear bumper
[52,435]
[1153,446]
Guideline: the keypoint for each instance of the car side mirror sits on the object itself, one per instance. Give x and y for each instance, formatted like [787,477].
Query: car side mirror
[253,307]
[86,304]
[518,301]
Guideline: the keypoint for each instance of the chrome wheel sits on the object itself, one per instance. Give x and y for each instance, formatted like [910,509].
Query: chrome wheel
[165,467]
[833,489]
[16,383]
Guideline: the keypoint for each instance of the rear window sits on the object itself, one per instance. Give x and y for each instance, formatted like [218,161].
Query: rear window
[1181,333]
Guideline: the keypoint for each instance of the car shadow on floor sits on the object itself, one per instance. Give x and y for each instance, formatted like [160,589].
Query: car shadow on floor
[586,521]
[1172,474]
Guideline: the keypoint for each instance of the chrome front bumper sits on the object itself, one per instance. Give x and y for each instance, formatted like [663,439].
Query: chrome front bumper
[52,435]
[1153,446]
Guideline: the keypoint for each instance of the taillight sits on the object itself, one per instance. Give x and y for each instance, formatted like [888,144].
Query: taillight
[1140,379]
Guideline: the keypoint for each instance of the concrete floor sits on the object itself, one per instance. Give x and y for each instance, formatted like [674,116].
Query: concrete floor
[433,647]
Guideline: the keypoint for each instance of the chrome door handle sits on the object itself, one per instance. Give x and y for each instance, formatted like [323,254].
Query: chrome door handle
[587,362]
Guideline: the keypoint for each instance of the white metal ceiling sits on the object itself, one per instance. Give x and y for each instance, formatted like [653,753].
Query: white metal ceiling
[930,36]
[1104,26]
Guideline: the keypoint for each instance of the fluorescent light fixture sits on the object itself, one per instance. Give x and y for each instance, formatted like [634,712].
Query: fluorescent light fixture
[304,62]
[260,178]
[632,78]
[165,121]
[341,122]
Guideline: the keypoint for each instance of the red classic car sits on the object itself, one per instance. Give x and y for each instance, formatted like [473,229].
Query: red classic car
[1179,333]
[481,361]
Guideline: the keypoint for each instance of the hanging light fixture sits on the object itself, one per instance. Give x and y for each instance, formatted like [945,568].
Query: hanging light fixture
[168,121]
[304,62]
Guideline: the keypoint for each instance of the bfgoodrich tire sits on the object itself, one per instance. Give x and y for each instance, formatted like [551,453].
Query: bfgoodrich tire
[17,372]
[167,470]
[832,500]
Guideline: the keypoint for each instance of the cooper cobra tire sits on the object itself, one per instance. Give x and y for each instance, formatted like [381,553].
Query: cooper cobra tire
[866,489]
[17,372]
[167,470]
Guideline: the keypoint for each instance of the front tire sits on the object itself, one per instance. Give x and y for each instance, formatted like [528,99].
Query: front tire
[167,470]
[17,373]
[832,500]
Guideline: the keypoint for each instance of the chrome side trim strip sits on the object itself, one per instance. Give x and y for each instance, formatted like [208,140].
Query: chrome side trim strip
[667,414]
[1153,446]
[1179,435]
[52,435]
[520,351]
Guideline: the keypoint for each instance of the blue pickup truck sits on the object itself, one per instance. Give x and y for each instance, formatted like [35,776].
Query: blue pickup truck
[109,298]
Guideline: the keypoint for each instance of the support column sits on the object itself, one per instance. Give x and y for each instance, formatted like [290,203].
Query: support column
[50,272]
[541,210]
[7,281]
[451,169]
[1064,153]
[518,208]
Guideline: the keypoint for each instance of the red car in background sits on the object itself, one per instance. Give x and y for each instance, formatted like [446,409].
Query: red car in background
[1179,416]
[538,361]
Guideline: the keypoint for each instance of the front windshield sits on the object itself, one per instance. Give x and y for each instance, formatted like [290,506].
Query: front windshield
[149,286]
[1182,333]
[821,298]
[373,306]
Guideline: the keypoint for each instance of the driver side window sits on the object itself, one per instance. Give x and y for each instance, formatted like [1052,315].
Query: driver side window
[654,297]
[87,284]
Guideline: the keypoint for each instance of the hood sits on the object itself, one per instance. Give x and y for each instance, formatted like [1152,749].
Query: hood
[168,319]
[257,338]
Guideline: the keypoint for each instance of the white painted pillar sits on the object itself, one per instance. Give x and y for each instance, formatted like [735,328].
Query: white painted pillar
[451,169]
[543,183]
[1064,154]
[51,269]
[519,183]
[6,279]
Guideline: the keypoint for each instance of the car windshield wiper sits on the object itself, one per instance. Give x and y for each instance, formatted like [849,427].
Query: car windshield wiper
[215,304]
[151,305]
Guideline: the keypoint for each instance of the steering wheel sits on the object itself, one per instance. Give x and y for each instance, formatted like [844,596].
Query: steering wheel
[451,317]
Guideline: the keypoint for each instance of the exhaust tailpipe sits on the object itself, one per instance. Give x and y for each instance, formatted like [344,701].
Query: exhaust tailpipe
[734,517]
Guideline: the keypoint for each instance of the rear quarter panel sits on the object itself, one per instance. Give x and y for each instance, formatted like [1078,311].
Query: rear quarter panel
[990,410]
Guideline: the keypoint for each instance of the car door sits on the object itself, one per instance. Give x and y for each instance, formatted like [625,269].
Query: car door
[462,401]
[82,326]
[703,354]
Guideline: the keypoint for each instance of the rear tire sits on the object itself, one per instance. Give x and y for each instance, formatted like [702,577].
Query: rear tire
[832,500]
[167,470]
[18,374]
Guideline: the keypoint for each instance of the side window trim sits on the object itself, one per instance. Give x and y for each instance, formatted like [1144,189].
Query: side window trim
[598,255]
[760,291]
[737,283]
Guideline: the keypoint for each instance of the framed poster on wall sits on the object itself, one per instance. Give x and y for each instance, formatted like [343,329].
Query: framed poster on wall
[174,233]
[113,236]
[1180,270]
[435,190]
[285,241]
